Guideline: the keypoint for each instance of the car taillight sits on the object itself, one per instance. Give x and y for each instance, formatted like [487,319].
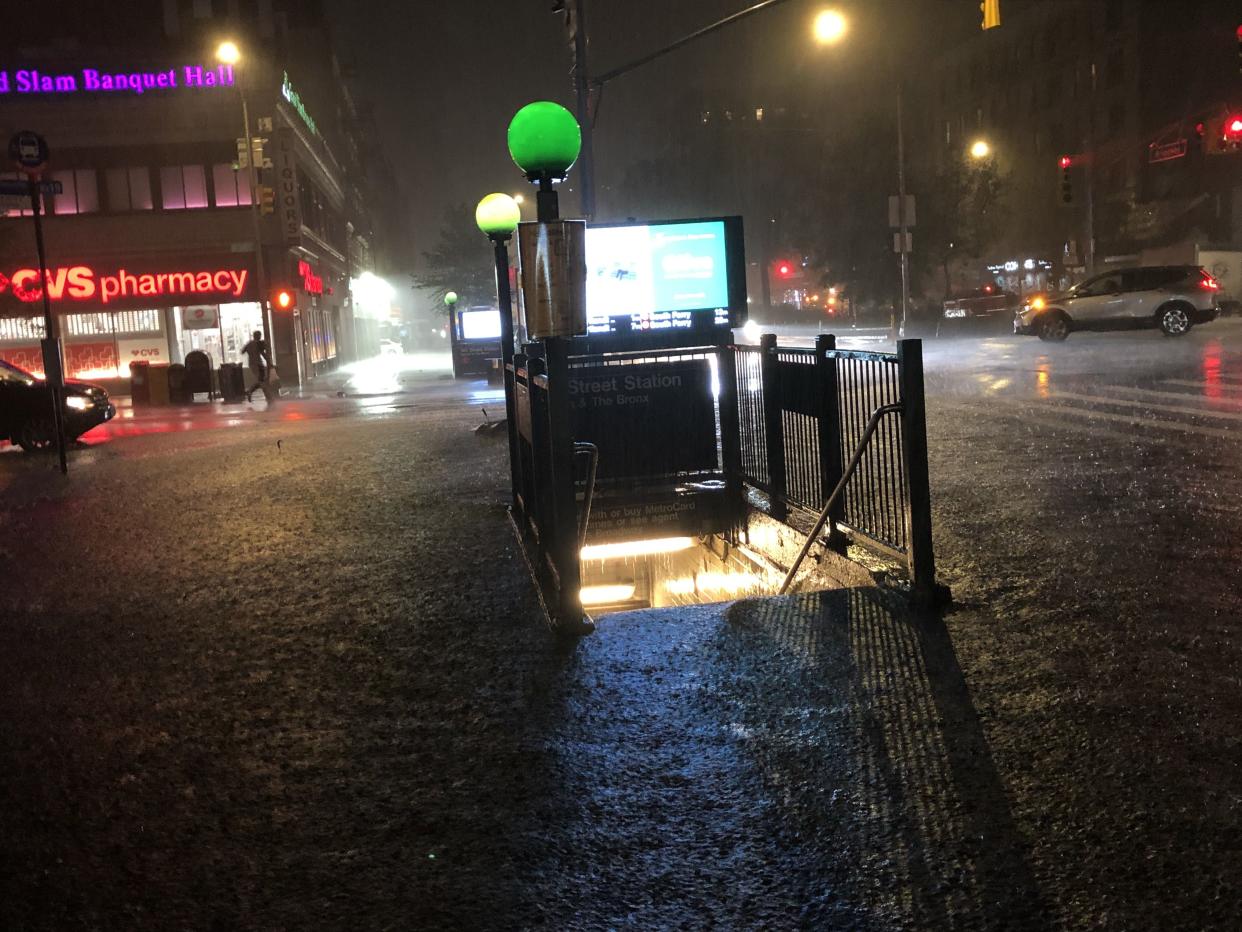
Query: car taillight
[1208,283]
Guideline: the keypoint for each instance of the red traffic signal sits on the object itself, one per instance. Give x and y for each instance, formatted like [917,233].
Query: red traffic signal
[284,300]
[1066,162]
[1233,128]
[784,268]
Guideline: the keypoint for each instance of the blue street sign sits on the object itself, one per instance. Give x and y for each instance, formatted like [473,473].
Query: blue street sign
[10,186]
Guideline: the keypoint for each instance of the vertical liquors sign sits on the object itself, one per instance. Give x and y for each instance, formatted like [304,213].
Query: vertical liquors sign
[288,205]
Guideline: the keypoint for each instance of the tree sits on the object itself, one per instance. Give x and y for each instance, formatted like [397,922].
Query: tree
[840,212]
[961,214]
[462,261]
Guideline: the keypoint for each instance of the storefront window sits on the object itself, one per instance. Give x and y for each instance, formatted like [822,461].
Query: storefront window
[17,329]
[128,189]
[14,211]
[322,335]
[76,325]
[184,187]
[79,194]
[98,345]
[232,186]
[223,340]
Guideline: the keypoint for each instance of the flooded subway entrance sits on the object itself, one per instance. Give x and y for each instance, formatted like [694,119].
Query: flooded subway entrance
[672,571]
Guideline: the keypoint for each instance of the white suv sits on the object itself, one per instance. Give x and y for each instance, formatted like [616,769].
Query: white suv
[1171,297]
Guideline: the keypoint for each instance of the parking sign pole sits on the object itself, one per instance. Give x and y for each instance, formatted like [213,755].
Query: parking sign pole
[52,360]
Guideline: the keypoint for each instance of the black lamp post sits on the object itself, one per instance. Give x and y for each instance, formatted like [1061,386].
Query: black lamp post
[498,215]
[544,141]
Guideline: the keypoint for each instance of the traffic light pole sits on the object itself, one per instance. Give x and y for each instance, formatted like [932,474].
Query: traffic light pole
[586,120]
[260,267]
[901,211]
[54,373]
[584,84]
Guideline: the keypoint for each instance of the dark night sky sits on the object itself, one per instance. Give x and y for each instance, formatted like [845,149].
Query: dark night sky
[447,76]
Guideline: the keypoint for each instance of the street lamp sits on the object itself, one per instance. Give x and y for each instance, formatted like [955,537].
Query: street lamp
[980,150]
[544,142]
[498,216]
[830,27]
[228,53]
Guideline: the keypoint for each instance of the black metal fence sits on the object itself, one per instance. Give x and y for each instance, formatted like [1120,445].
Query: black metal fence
[545,511]
[803,414]
[785,421]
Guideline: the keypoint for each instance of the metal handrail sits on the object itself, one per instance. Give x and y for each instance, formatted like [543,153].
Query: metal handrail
[591,450]
[872,424]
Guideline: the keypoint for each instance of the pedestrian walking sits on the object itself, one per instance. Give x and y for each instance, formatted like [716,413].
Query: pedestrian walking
[258,358]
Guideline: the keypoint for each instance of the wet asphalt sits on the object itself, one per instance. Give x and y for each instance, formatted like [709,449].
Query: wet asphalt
[306,685]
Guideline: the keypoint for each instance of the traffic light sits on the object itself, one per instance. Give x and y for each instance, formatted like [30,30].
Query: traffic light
[1231,131]
[267,199]
[991,13]
[283,299]
[784,269]
[1223,135]
[1066,163]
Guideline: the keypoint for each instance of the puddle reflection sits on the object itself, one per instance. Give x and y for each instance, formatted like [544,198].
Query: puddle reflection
[1043,380]
[1211,371]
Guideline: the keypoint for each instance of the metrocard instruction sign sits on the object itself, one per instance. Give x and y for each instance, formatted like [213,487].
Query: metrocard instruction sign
[118,287]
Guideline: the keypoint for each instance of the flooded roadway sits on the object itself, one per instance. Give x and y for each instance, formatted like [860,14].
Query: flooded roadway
[251,684]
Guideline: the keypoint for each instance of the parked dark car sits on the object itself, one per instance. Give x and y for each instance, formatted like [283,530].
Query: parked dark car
[26,409]
[986,309]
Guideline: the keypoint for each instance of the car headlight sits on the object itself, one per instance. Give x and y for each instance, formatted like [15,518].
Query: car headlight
[1037,304]
[77,402]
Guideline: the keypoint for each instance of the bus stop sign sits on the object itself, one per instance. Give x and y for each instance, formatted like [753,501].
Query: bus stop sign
[28,152]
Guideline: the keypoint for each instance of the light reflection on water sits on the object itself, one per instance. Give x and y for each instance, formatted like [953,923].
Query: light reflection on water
[1211,371]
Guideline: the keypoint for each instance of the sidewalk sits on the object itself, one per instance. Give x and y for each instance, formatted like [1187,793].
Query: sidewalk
[810,761]
[306,684]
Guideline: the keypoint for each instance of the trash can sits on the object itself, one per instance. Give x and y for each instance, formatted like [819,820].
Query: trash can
[232,382]
[198,375]
[157,380]
[178,385]
[140,383]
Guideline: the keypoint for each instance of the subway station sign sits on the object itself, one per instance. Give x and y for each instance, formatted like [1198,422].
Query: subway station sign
[98,80]
[651,419]
[126,285]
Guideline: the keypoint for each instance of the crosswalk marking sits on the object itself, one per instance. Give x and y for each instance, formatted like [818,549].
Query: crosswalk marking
[1146,422]
[1229,400]
[1204,386]
[1044,412]
[1149,406]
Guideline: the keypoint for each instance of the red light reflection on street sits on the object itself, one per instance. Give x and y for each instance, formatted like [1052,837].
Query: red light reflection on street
[1211,371]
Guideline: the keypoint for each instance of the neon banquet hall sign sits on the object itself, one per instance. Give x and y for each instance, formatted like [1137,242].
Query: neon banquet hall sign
[95,80]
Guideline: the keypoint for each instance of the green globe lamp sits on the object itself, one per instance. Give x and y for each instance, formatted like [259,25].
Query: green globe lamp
[450,299]
[544,140]
[498,216]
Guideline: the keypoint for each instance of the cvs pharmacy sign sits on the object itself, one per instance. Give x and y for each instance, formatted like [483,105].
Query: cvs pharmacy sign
[83,283]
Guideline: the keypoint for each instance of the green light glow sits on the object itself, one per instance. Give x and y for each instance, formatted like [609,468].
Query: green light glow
[498,215]
[544,138]
[451,298]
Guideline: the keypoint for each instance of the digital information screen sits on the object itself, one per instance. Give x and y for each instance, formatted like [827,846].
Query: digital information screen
[661,276]
[480,325]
